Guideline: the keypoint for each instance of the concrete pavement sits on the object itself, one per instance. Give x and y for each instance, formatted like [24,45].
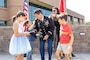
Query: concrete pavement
[36,56]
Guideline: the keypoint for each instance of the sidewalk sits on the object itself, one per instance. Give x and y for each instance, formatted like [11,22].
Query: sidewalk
[36,56]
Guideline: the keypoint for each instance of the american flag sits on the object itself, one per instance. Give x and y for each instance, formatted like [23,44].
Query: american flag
[25,7]
[25,10]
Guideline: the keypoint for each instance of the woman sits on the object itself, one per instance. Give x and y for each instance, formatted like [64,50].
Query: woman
[19,44]
[55,12]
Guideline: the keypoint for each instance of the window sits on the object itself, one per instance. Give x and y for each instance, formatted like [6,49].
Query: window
[75,19]
[81,21]
[3,23]
[32,7]
[69,18]
[3,3]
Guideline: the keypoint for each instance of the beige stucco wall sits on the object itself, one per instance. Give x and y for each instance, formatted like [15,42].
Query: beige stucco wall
[81,41]
[51,2]
[47,3]
[72,13]
[37,2]
[3,13]
[13,6]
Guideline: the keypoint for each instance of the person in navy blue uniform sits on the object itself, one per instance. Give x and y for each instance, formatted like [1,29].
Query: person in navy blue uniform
[45,27]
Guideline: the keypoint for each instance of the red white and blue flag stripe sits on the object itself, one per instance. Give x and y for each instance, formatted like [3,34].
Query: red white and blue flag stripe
[25,10]
[25,7]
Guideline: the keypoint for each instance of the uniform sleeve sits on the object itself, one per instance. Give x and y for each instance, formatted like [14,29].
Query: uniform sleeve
[51,27]
[36,26]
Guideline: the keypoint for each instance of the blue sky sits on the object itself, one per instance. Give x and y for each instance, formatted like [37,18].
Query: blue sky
[80,6]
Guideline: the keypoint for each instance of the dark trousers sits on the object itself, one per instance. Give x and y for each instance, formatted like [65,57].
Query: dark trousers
[31,40]
[42,50]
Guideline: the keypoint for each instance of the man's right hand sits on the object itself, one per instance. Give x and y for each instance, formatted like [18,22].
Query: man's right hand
[45,37]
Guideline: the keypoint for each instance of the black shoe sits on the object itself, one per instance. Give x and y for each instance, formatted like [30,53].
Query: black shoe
[24,55]
[62,57]
[73,55]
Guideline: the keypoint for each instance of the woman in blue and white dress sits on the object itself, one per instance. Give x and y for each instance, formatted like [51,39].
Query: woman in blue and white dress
[19,44]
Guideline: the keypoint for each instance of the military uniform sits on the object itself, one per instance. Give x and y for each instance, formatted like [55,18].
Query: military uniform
[45,27]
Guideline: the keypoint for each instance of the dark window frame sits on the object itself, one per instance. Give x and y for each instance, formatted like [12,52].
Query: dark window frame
[5,4]
[3,23]
[38,6]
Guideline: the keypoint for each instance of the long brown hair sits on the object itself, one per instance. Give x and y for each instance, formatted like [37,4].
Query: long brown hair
[58,12]
[14,18]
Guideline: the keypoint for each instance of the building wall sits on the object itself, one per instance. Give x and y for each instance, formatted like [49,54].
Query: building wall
[51,2]
[81,41]
[81,38]
[72,13]
[37,2]
[13,6]
[76,15]
[3,13]
[5,35]
[54,3]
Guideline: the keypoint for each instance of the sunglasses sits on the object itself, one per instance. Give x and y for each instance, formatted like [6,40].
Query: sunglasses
[53,10]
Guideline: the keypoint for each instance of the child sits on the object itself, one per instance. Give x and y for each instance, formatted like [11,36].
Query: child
[66,38]
[31,37]
[19,44]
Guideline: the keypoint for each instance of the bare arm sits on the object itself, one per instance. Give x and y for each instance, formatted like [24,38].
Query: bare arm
[71,42]
[15,28]
[31,27]
[71,39]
